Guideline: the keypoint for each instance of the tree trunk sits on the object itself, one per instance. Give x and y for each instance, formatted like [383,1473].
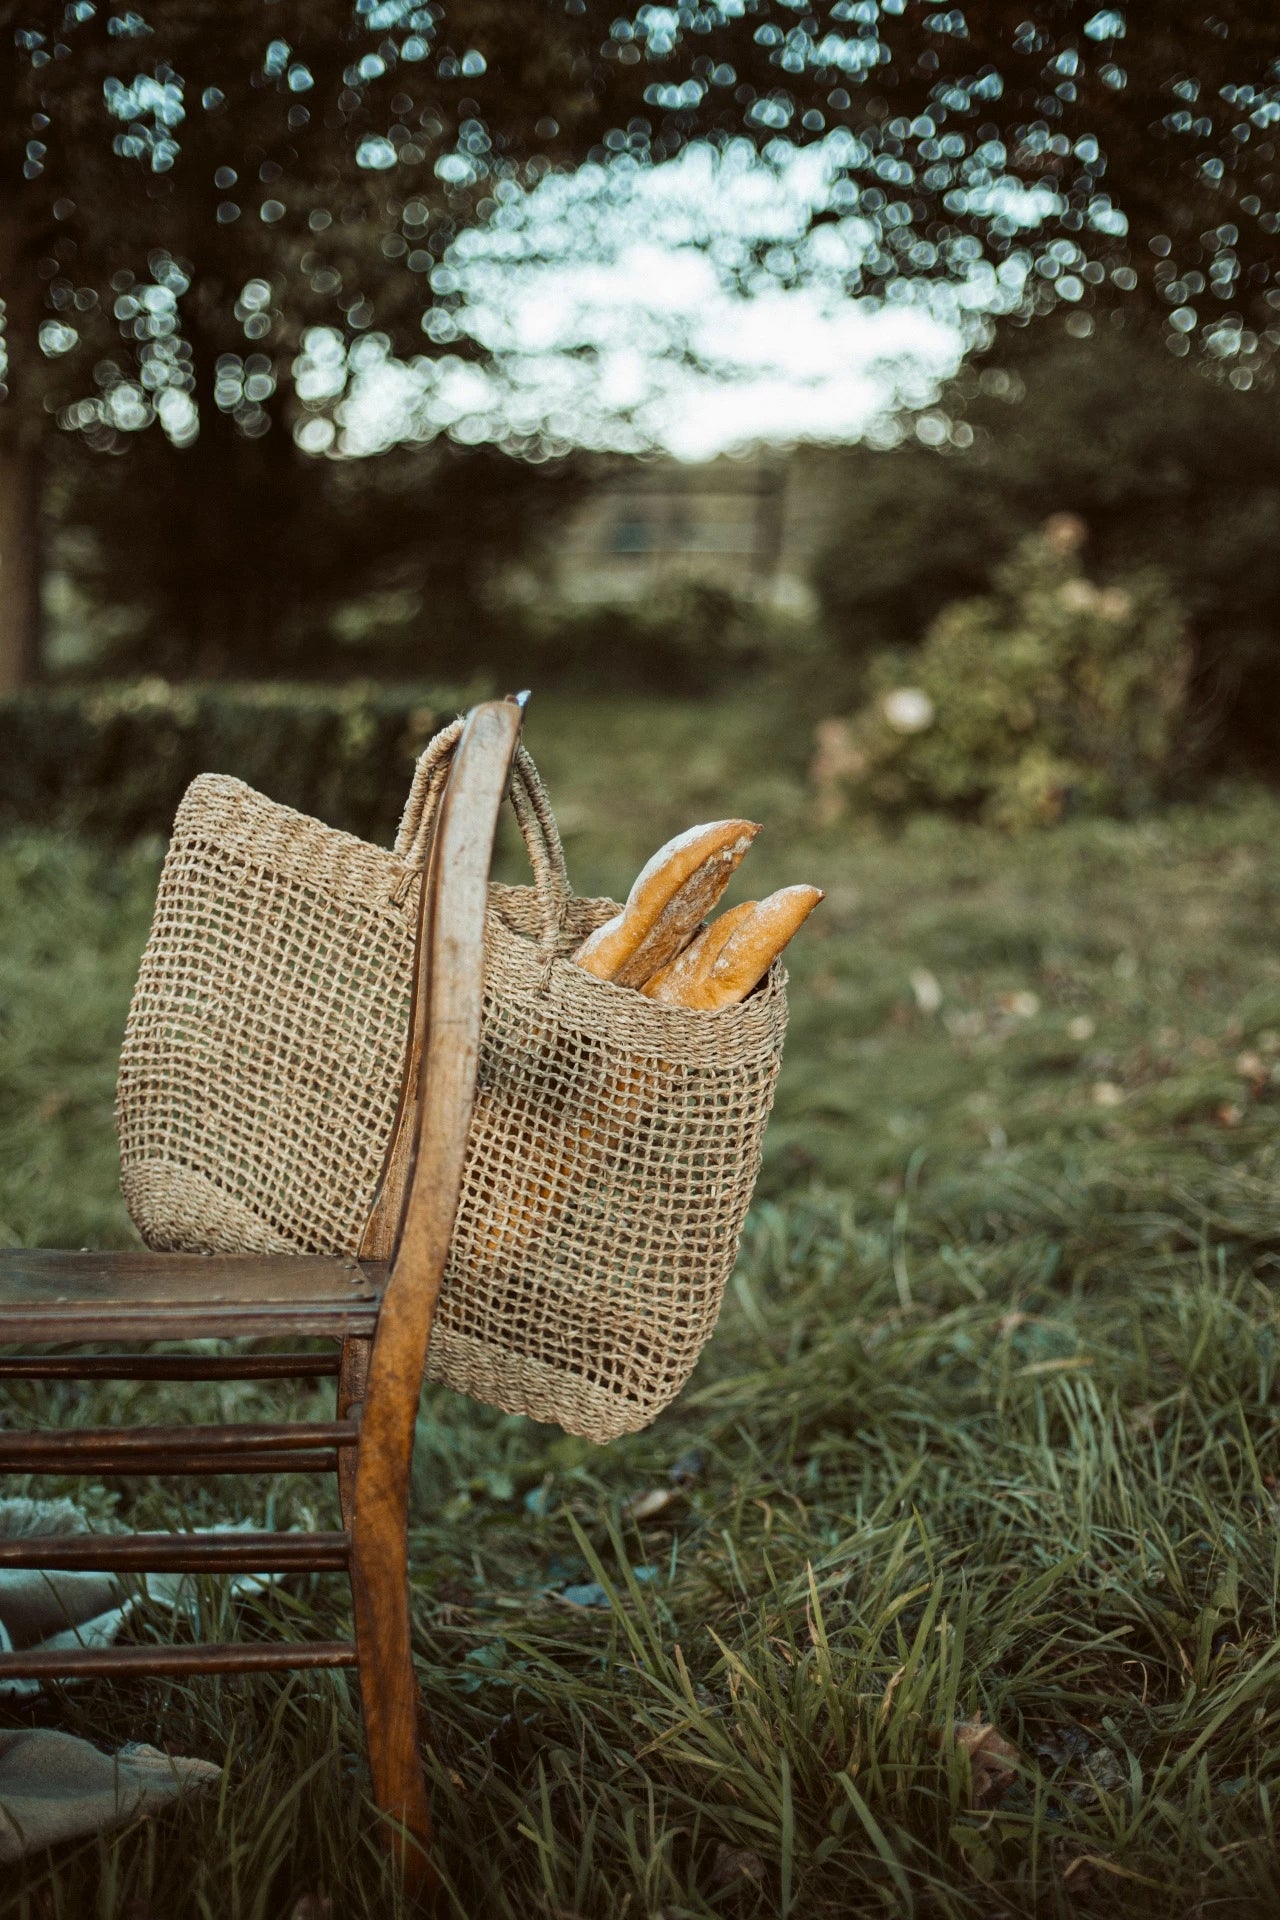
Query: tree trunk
[21,468]
[20,560]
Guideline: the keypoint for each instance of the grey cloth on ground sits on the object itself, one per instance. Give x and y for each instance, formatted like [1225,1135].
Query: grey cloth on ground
[55,1786]
[44,1611]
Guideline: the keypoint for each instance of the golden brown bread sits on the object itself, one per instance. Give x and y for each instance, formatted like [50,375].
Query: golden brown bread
[684,914]
[673,893]
[750,950]
[679,975]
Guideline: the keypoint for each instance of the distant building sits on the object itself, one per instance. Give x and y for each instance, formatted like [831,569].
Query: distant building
[750,525]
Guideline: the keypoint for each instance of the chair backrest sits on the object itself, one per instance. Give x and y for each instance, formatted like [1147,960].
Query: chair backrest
[440,1072]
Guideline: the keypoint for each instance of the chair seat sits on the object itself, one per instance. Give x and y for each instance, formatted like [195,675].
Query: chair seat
[48,1295]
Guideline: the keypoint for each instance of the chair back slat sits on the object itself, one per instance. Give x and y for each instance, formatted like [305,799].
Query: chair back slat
[440,1083]
[442,1080]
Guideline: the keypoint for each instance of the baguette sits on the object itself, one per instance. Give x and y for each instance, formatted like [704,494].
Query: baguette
[673,893]
[675,979]
[750,950]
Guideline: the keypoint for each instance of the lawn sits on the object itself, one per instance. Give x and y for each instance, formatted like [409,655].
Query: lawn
[988,1432]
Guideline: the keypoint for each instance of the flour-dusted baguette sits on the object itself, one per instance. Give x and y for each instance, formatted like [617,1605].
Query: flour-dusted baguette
[673,893]
[675,980]
[750,950]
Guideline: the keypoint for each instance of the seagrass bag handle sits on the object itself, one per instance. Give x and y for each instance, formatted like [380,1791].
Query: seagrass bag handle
[533,815]
[551,889]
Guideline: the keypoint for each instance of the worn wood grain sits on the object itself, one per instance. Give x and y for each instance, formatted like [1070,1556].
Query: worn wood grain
[119,1663]
[382,1315]
[168,1366]
[178,1552]
[135,1464]
[52,1296]
[241,1438]
[352,1380]
[450,986]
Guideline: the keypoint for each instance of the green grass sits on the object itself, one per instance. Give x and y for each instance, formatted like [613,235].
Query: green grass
[988,1430]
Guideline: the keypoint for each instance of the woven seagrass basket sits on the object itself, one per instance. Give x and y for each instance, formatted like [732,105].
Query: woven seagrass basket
[615,1141]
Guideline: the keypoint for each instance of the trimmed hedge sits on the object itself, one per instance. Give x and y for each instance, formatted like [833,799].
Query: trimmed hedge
[115,758]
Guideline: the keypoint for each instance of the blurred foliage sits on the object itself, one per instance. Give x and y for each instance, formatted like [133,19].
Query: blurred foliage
[329,155]
[176,241]
[1164,464]
[266,560]
[116,758]
[688,637]
[1047,696]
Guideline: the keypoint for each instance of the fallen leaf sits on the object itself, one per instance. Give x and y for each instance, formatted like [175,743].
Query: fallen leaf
[1106,1769]
[977,1853]
[1087,1860]
[1079,1878]
[1062,1746]
[589,1594]
[928,994]
[891,1687]
[312,1906]
[732,1865]
[993,1760]
[647,1506]
[1023,1006]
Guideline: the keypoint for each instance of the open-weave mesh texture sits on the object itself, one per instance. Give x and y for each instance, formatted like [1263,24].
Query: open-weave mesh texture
[614,1146]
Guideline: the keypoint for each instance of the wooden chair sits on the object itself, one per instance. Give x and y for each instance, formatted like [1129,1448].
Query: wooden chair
[378,1312]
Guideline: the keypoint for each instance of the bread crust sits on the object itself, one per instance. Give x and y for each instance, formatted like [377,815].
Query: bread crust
[672,894]
[683,914]
[751,949]
[675,979]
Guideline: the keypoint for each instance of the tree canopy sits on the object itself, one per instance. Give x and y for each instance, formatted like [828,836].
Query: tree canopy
[202,184]
[196,192]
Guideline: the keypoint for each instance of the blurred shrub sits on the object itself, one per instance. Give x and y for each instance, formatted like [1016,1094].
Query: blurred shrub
[1050,694]
[250,558]
[689,637]
[1167,463]
[115,758]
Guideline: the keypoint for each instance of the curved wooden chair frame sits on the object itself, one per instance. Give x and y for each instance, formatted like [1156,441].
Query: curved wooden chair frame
[379,1311]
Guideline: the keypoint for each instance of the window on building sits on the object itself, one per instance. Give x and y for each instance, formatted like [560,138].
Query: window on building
[630,536]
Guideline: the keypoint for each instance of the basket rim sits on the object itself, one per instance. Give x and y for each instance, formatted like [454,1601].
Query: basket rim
[768,998]
[224,795]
